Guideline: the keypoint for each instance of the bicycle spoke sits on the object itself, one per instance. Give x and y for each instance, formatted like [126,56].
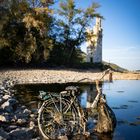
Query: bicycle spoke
[60,103]
[70,105]
[54,103]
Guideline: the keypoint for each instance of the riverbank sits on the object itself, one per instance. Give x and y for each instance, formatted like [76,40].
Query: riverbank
[17,122]
[61,76]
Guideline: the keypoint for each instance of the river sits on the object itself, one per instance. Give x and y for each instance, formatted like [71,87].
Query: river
[123,96]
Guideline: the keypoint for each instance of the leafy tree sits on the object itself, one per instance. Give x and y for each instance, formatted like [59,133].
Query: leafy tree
[70,28]
[24,30]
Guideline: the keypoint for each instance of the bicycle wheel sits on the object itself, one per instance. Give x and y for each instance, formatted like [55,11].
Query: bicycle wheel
[57,117]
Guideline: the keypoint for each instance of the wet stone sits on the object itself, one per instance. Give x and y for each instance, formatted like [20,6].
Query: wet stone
[21,134]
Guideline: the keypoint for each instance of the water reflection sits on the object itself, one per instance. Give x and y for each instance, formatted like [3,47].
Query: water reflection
[122,96]
[88,95]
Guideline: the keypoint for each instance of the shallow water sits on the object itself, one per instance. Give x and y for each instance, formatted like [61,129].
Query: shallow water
[123,96]
[126,105]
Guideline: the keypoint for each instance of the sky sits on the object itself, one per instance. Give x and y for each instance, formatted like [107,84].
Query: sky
[121,31]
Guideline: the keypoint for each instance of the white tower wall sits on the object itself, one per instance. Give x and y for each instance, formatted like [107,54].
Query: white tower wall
[94,43]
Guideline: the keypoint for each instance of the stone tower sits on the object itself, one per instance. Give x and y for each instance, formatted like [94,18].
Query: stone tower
[94,43]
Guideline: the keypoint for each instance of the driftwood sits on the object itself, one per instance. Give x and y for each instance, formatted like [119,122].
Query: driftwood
[106,117]
[94,104]
[108,71]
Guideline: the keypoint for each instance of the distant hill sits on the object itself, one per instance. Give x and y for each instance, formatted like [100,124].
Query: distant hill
[115,67]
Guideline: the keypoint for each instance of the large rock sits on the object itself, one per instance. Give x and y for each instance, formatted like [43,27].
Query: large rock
[21,134]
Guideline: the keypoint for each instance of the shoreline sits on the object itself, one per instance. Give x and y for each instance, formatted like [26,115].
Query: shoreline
[50,76]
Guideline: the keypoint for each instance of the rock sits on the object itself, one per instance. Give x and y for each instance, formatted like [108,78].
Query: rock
[2,118]
[27,112]
[22,114]
[3,135]
[21,121]
[1,101]
[9,104]
[6,97]
[32,125]
[13,101]
[63,138]
[12,127]
[21,134]
[37,138]
[2,88]
[7,107]
[7,92]
[32,115]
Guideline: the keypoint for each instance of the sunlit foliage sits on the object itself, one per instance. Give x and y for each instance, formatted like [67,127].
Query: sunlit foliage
[24,31]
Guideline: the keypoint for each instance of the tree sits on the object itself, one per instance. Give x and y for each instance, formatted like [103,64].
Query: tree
[71,25]
[24,30]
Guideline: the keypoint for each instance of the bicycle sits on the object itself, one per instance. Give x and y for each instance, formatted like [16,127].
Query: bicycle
[61,114]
